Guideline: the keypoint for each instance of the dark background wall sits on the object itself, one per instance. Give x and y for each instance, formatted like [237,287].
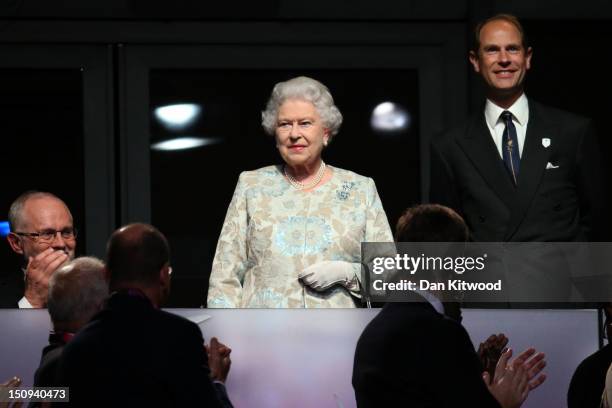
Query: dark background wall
[79,81]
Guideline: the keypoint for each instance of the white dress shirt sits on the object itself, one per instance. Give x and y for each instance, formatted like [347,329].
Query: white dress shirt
[23,302]
[432,300]
[496,125]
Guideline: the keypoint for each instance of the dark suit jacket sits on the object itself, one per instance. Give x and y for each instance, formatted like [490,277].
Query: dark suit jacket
[411,356]
[46,373]
[589,380]
[12,287]
[132,354]
[557,204]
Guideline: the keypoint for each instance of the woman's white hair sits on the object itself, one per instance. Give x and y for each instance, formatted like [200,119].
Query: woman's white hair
[306,89]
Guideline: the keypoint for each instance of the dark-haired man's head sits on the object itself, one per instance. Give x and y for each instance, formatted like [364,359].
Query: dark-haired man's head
[138,257]
[431,223]
[435,223]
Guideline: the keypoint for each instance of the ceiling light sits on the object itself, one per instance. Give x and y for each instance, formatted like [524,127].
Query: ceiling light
[178,116]
[390,117]
[183,143]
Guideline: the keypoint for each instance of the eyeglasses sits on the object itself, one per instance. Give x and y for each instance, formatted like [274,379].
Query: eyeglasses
[47,236]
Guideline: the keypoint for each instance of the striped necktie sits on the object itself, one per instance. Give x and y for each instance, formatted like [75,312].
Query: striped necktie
[510,147]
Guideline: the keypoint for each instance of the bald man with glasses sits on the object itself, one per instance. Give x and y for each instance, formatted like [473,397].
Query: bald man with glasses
[43,234]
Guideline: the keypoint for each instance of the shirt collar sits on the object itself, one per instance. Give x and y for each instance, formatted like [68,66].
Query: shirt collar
[60,337]
[432,300]
[519,109]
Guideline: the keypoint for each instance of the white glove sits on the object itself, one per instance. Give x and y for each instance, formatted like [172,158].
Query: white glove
[323,275]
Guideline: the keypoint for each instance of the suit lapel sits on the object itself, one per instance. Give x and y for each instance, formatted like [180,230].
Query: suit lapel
[477,144]
[533,164]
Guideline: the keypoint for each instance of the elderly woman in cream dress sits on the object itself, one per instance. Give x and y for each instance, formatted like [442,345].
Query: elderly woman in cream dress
[293,232]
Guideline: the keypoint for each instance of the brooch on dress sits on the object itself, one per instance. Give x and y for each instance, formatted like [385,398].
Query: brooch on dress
[344,193]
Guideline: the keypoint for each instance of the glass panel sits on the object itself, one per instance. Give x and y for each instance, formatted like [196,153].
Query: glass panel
[41,123]
[191,188]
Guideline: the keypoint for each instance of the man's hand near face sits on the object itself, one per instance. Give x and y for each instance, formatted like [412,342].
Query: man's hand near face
[43,235]
[38,273]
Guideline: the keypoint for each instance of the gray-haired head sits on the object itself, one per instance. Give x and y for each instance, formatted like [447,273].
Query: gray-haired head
[306,89]
[15,211]
[77,291]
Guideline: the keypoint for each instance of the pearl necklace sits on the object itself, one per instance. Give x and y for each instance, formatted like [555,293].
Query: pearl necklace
[301,186]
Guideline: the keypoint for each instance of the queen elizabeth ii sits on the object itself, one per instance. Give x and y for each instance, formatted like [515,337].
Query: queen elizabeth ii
[293,232]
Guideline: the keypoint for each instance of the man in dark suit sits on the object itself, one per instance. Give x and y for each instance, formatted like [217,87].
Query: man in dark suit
[77,291]
[412,354]
[134,354]
[589,380]
[43,235]
[518,170]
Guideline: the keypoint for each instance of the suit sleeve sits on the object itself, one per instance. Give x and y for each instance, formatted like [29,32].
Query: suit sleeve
[222,395]
[189,373]
[455,362]
[230,262]
[590,184]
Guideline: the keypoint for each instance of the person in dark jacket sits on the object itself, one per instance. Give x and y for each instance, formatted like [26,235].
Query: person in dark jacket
[134,354]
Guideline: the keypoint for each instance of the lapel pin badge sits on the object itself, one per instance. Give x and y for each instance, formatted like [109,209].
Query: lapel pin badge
[545,142]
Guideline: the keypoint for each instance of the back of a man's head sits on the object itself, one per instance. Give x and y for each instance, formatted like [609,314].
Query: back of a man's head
[435,223]
[431,223]
[135,255]
[76,292]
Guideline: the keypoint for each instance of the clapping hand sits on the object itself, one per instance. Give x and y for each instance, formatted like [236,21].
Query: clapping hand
[14,382]
[490,351]
[514,380]
[218,360]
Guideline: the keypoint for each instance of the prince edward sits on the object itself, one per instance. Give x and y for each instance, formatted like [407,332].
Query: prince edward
[518,170]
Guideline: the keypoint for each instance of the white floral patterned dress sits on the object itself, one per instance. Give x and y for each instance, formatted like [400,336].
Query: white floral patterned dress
[273,231]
